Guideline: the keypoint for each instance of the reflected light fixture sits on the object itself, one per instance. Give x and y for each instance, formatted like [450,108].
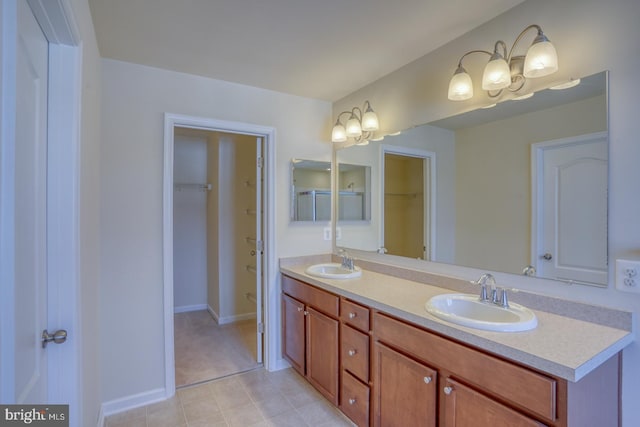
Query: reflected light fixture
[359,126]
[504,70]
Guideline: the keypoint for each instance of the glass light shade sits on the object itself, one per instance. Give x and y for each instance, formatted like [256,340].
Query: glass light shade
[353,127]
[370,121]
[497,74]
[460,86]
[338,134]
[541,59]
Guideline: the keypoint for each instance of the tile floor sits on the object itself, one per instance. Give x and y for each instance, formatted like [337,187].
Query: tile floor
[205,350]
[256,398]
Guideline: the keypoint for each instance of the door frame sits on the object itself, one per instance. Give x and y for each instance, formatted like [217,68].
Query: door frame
[537,174]
[270,271]
[429,190]
[58,23]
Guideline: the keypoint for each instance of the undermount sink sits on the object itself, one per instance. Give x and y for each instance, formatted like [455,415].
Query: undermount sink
[333,270]
[468,310]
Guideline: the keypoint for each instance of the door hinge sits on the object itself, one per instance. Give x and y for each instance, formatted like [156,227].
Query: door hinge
[260,246]
[260,162]
[261,328]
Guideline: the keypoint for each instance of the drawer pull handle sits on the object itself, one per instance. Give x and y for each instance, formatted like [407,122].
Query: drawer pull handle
[352,401]
[353,315]
[448,390]
[427,380]
[352,352]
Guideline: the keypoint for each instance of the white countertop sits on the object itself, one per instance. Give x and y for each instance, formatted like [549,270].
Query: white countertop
[561,346]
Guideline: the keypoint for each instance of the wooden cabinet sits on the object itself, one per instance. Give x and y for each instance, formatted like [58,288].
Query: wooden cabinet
[386,372]
[405,391]
[322,353]
[354,356]
[466,407]
[293,332]
[310,331]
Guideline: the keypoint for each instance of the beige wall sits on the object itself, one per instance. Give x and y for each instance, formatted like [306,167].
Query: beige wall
[493,181]
[590,36]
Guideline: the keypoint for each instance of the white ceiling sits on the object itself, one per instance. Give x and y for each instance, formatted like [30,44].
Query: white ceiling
[321,49]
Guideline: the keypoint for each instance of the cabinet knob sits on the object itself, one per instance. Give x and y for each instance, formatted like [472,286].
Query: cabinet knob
[353,315]
[448,390]
[427,380]
[352,401]
[306,312]
[299,308]
[352,352]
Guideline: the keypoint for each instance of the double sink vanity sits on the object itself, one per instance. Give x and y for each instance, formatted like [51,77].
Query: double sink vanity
[392,346]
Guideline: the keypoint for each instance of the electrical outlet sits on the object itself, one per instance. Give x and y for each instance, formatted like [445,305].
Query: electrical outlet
[628,275]
[326,233]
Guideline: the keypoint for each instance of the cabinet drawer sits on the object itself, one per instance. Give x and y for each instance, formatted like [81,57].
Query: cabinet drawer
[312,296]
[355,315]
[525,388]
[355,399]
[355,352]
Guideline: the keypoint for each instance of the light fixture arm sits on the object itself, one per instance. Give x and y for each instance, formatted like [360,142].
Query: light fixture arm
[522,33]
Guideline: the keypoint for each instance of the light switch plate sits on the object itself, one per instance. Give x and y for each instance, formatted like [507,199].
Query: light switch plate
[628,275]
[326,233]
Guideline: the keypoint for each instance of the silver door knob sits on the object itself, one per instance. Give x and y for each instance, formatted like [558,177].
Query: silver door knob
[448,390]
[352,352]
[58,337]
[547,256]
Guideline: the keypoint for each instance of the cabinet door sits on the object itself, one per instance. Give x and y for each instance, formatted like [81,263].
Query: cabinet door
[404,390]
[293,332]
[322,354]
[465,407]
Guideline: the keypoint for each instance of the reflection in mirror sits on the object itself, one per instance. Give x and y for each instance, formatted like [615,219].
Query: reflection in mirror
[354,192]
[519,188]
[311,191]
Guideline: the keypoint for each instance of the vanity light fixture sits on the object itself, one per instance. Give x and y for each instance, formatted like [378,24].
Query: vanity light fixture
[506,71]
[360,126]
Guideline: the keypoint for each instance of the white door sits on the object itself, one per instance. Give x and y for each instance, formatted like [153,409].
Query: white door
[30,209]
[572,212]
[259,249]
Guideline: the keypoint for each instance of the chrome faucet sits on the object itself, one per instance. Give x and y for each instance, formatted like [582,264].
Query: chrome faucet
[498,295]
[347,260]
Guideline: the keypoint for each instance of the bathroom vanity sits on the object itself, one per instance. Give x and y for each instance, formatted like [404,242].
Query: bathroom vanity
[370,347]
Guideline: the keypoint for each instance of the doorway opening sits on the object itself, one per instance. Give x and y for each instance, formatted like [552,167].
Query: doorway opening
[408,208]
[215,210]
[215,269]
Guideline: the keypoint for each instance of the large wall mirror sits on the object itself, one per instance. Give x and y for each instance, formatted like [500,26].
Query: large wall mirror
[311,191]
[519,188]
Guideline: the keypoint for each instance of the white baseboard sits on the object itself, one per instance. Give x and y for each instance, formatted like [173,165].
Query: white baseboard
[134,401]
[229,319]
[185,308]
[280,364]
[101,419]
[236,318]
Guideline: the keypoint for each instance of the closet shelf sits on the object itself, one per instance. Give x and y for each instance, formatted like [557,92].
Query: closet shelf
[180,186]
